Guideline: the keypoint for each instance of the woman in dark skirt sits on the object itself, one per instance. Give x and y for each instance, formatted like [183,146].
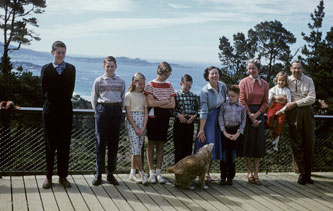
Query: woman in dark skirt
[161,98]
[254,97]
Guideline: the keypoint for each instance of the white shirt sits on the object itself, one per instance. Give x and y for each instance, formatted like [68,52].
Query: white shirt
[275,91]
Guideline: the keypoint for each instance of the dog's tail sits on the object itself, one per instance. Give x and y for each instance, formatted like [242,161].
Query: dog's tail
[172,169]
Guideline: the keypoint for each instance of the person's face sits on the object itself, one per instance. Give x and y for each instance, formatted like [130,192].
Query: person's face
[252,69]
[110,67]
[140,85]
[164,76]
[213,76]
[296,70]
[59,55]
[233,96]
[186,86]
[281,82]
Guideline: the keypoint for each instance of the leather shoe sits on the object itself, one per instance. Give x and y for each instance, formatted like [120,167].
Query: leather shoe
[229,182]
[64,182]
[301,179]
[222,181]
[47,184]
[97,180]
[112,180]
[308,179]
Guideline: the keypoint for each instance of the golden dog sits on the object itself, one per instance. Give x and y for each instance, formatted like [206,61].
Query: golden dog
[192,166]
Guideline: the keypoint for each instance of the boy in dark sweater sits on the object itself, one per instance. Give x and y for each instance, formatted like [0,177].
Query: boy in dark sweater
[58,80]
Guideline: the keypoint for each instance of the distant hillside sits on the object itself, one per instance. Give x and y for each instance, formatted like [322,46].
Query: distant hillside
[23,53]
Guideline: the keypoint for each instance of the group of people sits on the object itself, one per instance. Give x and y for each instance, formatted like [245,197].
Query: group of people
[232,118]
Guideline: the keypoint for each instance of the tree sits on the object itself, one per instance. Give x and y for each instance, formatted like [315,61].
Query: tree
[268,41]
[318,56]
[14,23]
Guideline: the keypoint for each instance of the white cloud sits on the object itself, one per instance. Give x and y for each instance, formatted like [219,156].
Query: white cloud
[81,6]
[178,6]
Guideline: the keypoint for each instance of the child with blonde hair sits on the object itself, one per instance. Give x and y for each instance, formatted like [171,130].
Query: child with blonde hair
[136,122]
[277,96]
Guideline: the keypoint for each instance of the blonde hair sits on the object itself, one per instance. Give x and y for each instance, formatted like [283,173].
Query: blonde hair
[136,77]
[284,75]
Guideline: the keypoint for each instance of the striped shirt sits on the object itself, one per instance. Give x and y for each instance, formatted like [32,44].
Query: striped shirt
[160,90]
[186,103]
[108,90]
[232,114]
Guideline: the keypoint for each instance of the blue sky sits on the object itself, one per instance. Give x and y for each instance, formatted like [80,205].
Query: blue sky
[171,30]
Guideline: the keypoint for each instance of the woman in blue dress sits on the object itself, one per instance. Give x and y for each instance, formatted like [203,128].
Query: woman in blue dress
[212,96]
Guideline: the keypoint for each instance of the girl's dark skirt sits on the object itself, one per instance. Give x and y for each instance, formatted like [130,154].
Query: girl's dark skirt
[157,126]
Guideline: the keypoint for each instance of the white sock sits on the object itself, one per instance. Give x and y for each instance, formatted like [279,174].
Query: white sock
[142,172]
[158,171]
[151,172]
[132,171]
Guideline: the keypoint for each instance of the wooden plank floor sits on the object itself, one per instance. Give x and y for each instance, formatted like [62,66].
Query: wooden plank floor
[279,191]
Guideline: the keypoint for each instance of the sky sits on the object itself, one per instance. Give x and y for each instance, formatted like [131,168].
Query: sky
[165,30]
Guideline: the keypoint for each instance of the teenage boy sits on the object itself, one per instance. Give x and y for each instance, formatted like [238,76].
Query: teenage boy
[58,81]
[107,96]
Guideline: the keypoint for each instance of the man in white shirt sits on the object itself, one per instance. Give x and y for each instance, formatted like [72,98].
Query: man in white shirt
[301,121]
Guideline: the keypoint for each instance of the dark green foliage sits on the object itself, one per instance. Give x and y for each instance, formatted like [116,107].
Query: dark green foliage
[268,41]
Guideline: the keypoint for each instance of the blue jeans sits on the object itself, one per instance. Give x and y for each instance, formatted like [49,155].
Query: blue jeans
[108,121]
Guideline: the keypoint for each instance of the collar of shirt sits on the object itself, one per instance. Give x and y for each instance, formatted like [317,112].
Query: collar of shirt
[106,77]
[57,65]
[301,78]
[218,84]
[256,79]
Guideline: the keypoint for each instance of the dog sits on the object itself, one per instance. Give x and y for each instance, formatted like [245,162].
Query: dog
[192,166]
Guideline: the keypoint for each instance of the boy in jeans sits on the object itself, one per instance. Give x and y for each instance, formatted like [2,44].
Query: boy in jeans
[232,119]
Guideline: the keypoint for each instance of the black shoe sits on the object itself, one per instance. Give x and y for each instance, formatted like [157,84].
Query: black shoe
[110,178]
[308,179]
[222,181]
[64,182]
[229,182]
[47,183]
[301,179]
[97,180]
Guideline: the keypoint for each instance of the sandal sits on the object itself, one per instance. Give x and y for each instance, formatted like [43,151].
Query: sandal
[250,180]
[257,181]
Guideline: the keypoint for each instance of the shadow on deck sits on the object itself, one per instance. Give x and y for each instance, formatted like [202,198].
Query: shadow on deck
[279,191]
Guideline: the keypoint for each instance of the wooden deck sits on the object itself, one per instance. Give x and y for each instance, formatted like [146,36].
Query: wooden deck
[278,192]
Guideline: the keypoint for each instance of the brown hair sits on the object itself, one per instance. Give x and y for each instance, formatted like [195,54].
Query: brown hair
[136,77]
[110,59]
[256,62]
[283,74]
[234,88]
[208,69]
[186,78]
[58,44]
[163,67]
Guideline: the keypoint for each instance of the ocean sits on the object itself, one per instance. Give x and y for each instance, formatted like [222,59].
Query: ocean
[87,72]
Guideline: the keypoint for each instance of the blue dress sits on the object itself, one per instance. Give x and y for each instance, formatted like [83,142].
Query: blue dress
[210,101]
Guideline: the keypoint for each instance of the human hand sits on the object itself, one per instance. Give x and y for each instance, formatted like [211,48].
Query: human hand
[191,119]
[226,134]
[201,136]
[290,106]
[9,104]
[235,136]
[278,113]
[252,116]
[281,99]
[255,123]
[181,118]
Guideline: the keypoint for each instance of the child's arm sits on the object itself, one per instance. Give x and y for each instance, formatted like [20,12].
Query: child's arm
[170,105]
[155,103]
[130,119]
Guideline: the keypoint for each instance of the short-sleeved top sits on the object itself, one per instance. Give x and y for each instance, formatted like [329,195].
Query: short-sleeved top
[160,90]
[137,101]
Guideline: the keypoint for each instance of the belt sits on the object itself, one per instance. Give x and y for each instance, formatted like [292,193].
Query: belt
[111,104]
[231,127]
